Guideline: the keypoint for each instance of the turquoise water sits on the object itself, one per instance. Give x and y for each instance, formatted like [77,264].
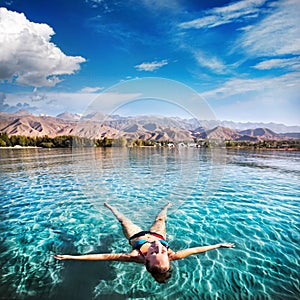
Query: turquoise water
[52,202]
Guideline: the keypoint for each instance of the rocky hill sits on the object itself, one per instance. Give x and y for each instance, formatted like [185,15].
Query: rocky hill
[30,125]
[220,133]
[153,128]
[279,128]
[69,116]
[260,134]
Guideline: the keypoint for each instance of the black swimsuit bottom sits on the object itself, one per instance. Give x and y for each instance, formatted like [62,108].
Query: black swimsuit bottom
[141,233]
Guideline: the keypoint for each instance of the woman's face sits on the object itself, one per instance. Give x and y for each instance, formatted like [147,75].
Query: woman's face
[157,255]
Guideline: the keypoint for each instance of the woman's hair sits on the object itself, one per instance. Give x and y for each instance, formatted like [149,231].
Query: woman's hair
[161,276]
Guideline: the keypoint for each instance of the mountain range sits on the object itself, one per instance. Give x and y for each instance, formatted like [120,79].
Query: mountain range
[154,128]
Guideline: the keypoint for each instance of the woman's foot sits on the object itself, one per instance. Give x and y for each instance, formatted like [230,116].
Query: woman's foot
[107,205]
[168,205]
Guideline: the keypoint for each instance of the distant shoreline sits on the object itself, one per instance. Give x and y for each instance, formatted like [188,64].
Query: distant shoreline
[263,148]
[229,148]
[24,142]
[21,147]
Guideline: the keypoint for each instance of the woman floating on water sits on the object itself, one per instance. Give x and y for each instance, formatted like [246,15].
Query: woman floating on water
[148,247]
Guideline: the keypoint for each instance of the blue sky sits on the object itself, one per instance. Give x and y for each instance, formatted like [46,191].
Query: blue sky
[241,57]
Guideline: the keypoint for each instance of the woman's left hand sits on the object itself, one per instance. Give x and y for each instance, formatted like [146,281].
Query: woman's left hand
[227,245]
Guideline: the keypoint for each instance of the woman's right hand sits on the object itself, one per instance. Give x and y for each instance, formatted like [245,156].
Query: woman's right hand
[60,257]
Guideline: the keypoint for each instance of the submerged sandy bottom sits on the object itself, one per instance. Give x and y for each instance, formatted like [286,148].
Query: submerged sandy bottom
[52,202]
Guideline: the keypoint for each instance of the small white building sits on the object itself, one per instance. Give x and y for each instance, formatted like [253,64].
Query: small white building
[181,144]
[193,145]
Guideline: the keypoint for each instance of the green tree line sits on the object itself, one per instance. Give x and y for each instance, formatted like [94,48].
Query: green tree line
[284,144]
[68,142]
[74,141]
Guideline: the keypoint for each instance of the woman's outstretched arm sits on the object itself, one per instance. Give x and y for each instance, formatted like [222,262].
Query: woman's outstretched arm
[190,251]
[126,257]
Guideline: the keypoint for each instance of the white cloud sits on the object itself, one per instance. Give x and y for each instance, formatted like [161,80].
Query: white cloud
[151,66]
[212,63]
[108,102]
[226,14]
[53,104]
[27,56]
[37,96]
[277,34]
[257,100]
[260,109]
[291,63]
[91,89]
[56,103]
[242,86]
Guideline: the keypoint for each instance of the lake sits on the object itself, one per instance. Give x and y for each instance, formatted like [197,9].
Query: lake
[52,203]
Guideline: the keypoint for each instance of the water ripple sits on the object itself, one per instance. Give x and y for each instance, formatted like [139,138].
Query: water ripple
[52,202]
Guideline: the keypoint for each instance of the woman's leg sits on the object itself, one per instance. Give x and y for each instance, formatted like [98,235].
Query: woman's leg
[159,225]
[128,227]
